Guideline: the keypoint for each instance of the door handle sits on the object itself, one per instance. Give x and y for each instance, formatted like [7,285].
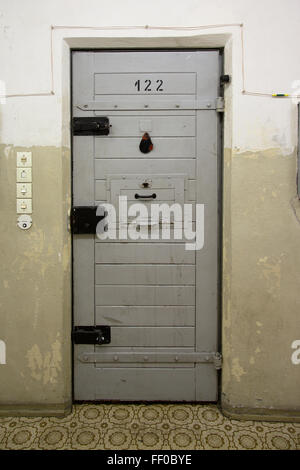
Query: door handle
[142,196]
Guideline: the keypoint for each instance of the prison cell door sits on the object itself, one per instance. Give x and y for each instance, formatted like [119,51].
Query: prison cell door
[151,303]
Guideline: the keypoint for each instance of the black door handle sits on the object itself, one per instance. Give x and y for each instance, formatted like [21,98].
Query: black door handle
[141,196]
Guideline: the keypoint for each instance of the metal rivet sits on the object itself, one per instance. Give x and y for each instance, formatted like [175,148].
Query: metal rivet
[176,358]
[177,105]
[146,105]
[146,358]
[208,105]
[116,358]
[115,106]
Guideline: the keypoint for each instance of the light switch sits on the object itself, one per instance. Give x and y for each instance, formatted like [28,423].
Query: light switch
[24,175]
[24,206]
[24,159]
[24,190]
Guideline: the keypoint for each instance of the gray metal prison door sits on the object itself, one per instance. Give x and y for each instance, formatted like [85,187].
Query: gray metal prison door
[145,311]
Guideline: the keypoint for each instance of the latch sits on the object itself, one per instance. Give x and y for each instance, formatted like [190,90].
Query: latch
[224,79]
[91,335]
[97,125]
[84,219]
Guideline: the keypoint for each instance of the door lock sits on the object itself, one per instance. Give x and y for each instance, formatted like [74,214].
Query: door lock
[146,144]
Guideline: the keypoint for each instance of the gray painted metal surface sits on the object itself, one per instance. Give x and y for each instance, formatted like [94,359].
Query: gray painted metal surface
[160,300]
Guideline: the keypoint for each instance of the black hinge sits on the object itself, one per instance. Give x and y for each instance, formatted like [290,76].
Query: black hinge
[84,219]
[97,125]
[91,335]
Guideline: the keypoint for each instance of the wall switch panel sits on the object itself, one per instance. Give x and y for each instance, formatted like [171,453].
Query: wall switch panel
[24,175]
[24,190]
[24,206]
[24,159]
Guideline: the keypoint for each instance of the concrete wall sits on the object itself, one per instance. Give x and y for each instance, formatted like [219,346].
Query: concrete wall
[261,230]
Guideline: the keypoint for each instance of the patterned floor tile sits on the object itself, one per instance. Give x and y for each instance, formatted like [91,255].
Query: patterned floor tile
[146,426]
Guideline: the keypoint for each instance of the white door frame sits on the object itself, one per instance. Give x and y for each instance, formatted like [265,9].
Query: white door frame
[222,37]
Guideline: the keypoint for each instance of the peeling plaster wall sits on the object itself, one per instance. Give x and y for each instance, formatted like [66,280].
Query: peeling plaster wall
[261,213]
[35,287]
[261,303]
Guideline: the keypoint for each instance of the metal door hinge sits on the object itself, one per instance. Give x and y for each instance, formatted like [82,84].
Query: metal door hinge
[153,104]
[84,219]
[220,104]
[97,125]
[153,358]
[91,335]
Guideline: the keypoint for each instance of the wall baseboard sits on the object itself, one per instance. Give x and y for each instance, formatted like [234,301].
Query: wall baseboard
[260,414]
[34,410]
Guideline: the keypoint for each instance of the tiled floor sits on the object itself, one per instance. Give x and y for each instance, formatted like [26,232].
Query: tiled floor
[146,426]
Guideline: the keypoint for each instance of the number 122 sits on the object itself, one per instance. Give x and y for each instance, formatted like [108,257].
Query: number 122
[148,85]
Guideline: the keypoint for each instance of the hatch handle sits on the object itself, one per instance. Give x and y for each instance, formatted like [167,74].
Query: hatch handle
[143,196]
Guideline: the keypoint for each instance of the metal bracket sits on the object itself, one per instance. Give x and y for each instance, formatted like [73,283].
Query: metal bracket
[91,335]
[218,359]
[84,219]
[97,125]
[220,105]
[151,358]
